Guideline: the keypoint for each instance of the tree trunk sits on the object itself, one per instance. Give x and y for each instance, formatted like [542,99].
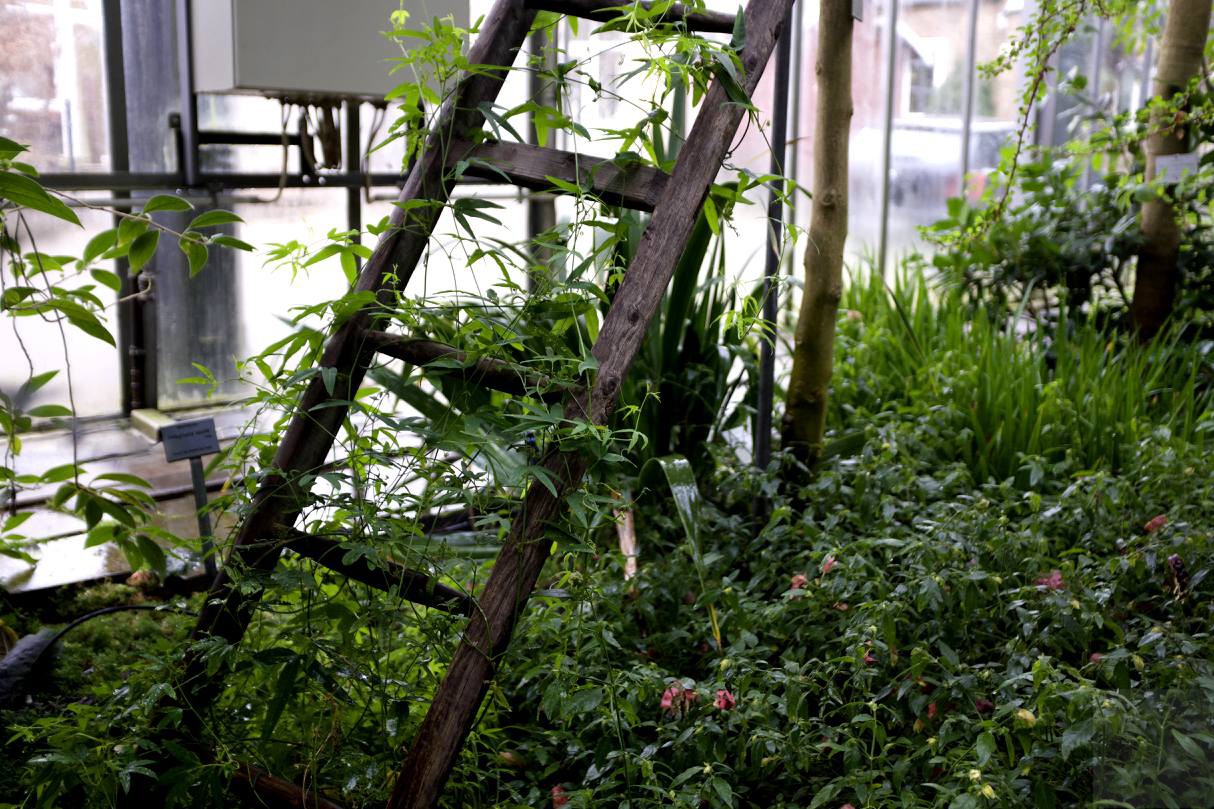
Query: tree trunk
[1180,59]
[813,347]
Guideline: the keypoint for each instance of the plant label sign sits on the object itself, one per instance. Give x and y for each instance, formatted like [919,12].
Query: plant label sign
[189,439]
[1170,167]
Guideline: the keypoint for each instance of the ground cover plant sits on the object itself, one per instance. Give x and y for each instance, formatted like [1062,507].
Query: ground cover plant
[990,589]
[917,626]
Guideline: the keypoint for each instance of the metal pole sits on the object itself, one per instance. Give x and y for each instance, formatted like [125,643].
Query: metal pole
[189,103]
[971,74]
[794,113]
[1094,71]
[775,250]
[132,353]
[204,518]
[1144,93]
[541,208]
[891,55]
[354,166]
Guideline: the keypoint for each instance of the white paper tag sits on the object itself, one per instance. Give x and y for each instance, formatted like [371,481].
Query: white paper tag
[1170,167]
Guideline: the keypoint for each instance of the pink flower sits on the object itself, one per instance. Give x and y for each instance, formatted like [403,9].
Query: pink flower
[1094,658]
[799,582]
[931,710]
[676,698]
[1155,523]
[847,806]
[983,706]
[829,564]
[869,658]
[559,798]
[1053,581]
[724,700]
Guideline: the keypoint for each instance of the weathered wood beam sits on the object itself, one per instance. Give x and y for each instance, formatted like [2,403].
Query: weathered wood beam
[323,407]
[631,186]
[411,585]
[458,698]
[709,22]
[486,371]
[275,793]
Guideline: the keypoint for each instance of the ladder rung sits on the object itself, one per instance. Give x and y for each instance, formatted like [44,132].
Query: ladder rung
[632,186]
[607,10]
[486,371]
[410,584]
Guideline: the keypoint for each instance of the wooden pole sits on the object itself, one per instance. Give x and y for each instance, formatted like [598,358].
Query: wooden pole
[814,340]
[442,733]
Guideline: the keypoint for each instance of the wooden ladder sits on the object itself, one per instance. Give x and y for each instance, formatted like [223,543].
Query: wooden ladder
[675,200]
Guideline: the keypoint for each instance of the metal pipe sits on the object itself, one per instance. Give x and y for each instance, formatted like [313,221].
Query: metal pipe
[775,248]
[354,166]
[541,209]
[888,135]
[215,182]
[1094,71]
[198,483]
[228,138]
[971,74]
[1144,92]
[132,352]
[189,102]
[794,116]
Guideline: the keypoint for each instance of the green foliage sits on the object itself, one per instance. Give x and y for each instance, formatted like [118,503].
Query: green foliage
[68,291]
[1015,403]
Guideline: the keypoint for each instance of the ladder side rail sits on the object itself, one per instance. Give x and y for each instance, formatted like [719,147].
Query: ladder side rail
[459,696]
[311,433]
[709,22]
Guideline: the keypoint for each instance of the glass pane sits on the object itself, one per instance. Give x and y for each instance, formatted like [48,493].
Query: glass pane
[90,366]
[929,82]
[52,74]
[869,50]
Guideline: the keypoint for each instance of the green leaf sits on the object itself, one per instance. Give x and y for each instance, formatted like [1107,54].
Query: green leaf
[213,218]
[738,40]
[122,477]
[284,689]
[166,202]
[47,411]
[329,377]
[99,244]
[142,250]
[565,185]
[130,229]
[14,522]
[196,253]
[28,193]
[9,148]
[985,747]
[35,382]
[230,241]
[107,278]
[83,319]
[1077,734]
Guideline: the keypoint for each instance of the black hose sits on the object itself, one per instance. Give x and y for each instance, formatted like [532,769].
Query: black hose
[88,616]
